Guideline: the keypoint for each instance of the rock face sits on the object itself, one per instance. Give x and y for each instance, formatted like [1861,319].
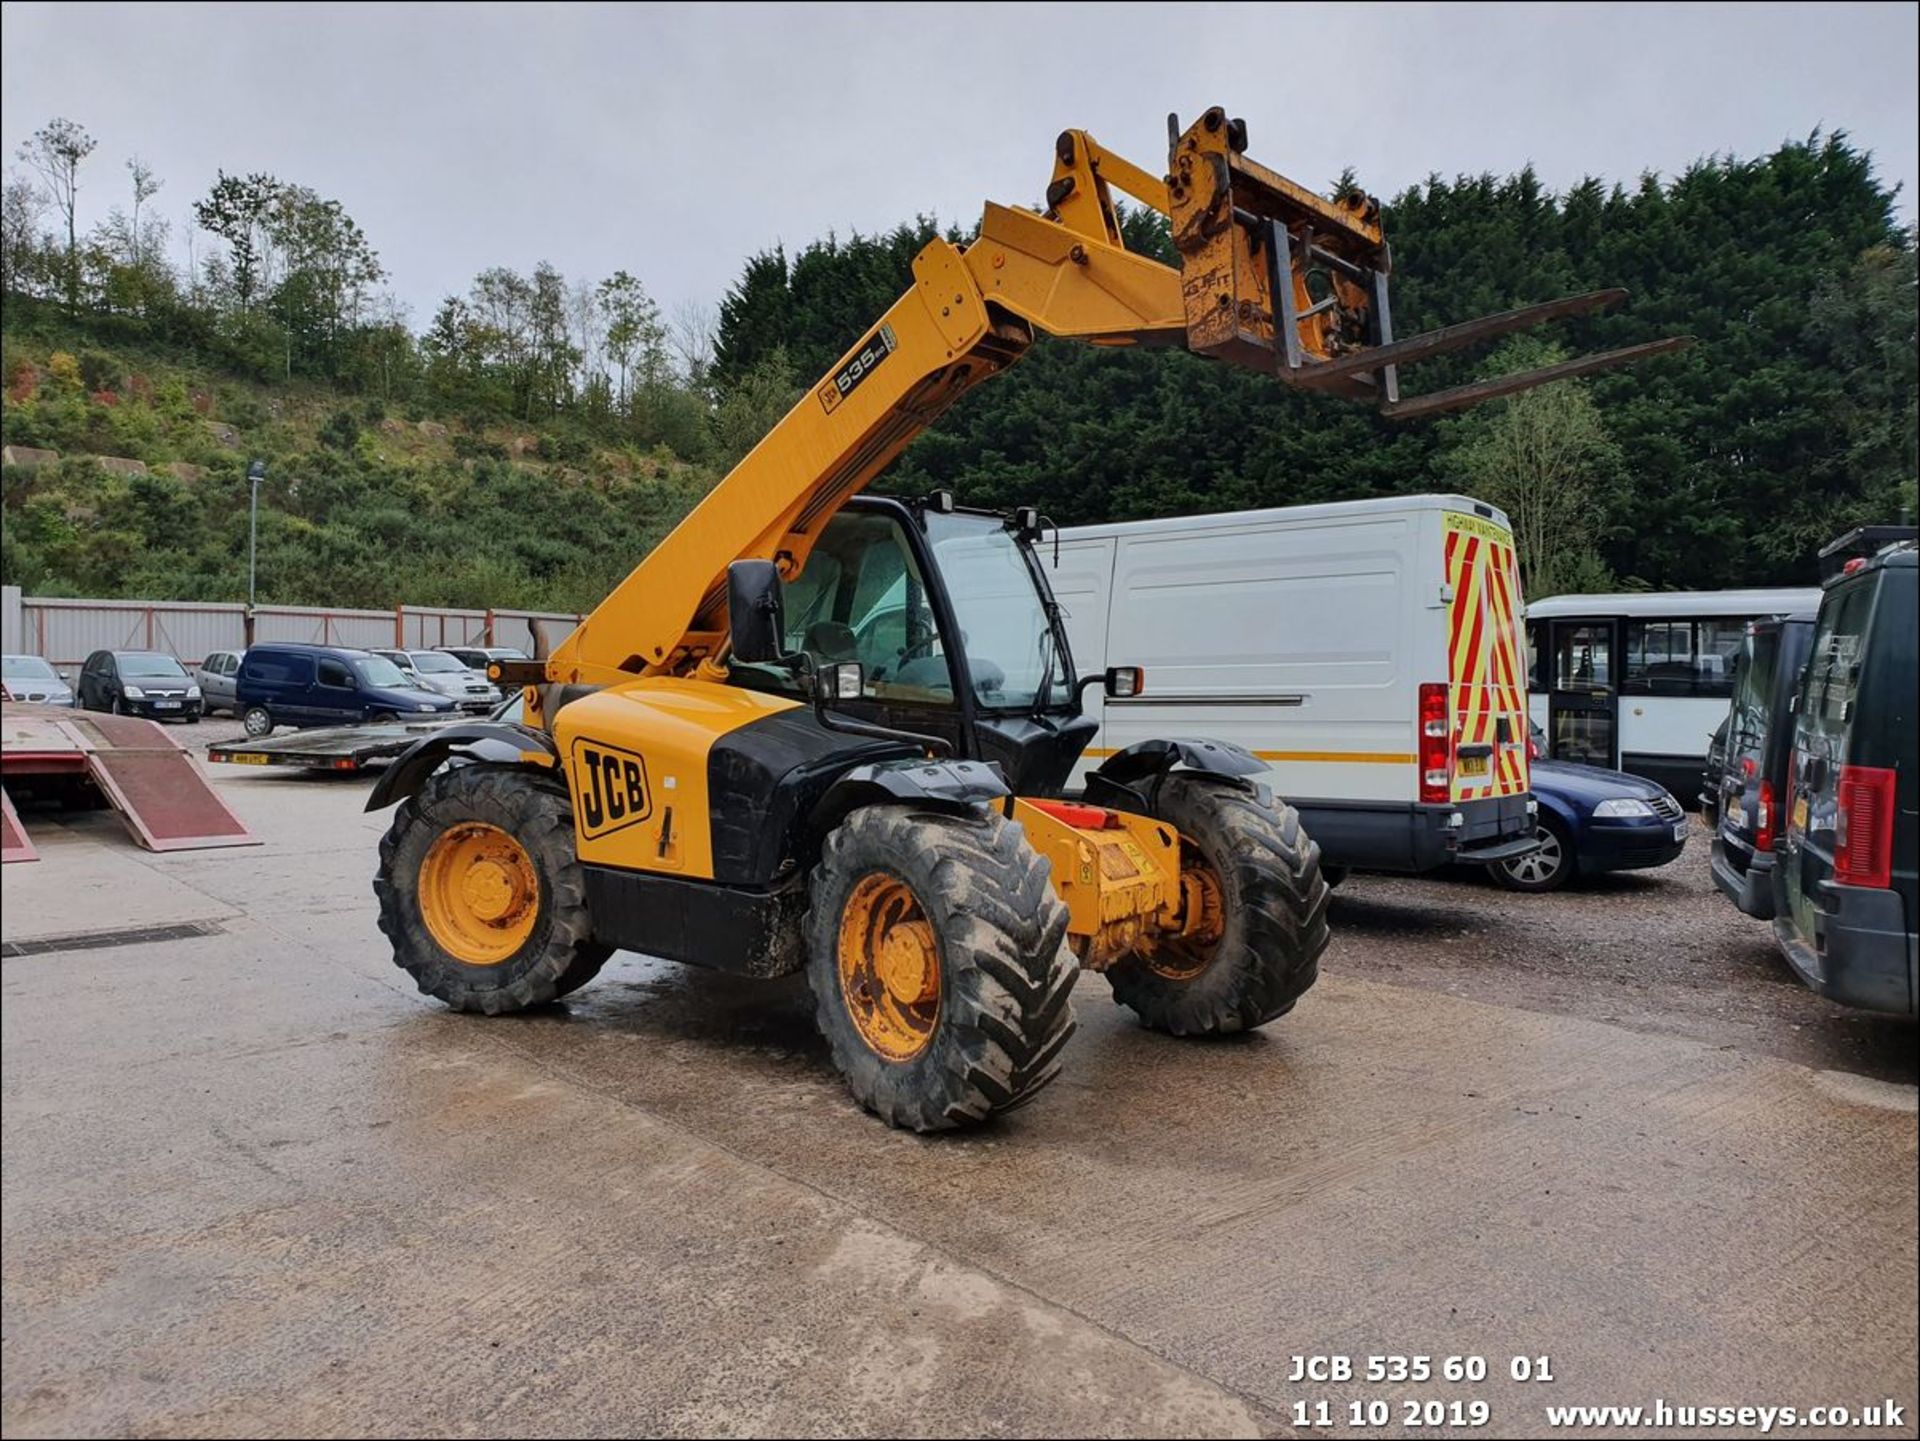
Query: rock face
[433,430]
[181,471]
[27,455]
[226,434]
[393,425]
[120,465]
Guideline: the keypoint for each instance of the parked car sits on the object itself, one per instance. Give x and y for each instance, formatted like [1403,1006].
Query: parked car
[28,677]
[446,675]
[323,685]
[216,677]
[1593,820]
[476,657]
[1849,863]
[1743,812]
[139,682]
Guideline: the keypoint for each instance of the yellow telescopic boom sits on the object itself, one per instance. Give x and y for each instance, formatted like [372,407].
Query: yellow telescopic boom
[1270,276]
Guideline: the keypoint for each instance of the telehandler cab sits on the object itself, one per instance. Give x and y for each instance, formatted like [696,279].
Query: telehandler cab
[822,731]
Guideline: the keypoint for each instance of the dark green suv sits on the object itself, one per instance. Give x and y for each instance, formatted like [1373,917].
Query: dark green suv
[1847,869]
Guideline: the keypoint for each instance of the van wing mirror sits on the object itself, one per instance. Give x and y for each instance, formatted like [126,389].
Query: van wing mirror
[756,611]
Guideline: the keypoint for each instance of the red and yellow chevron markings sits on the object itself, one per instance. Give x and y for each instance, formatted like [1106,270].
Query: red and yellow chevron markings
[1484,655]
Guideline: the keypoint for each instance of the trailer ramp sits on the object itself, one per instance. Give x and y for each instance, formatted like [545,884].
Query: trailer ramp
[14,845]
[145,774]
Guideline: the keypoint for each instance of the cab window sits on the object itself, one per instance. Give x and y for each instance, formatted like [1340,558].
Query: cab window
[862,598]
[335,673]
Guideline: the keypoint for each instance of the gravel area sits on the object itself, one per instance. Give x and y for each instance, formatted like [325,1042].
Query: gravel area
[1657,951]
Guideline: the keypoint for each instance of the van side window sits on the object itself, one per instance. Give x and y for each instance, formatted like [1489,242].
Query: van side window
[278,669]
[335,673]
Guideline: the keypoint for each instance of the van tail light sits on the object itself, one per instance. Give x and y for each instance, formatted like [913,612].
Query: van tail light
[1533,749]
[1763,819]
[1863,828]
[1436,747]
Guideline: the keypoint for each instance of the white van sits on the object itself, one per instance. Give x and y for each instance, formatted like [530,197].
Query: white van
[1369,652]
[1638,681]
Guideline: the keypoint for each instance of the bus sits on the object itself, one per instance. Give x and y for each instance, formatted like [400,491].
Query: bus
[1639,682]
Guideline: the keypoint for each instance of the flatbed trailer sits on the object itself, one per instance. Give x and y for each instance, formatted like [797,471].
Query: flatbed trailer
[336,748]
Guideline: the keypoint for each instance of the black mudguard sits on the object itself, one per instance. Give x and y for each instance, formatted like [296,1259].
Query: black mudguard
[930,784]
[1129,775]
[499,742]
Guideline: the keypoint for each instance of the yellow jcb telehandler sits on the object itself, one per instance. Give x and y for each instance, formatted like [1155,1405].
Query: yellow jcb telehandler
[822,731]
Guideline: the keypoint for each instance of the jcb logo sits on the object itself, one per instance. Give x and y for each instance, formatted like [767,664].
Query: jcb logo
[610,787]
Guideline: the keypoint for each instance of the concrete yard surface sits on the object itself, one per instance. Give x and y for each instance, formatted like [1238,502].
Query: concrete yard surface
[255,1184]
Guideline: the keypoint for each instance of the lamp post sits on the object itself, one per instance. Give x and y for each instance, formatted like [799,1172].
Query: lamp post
[256,473]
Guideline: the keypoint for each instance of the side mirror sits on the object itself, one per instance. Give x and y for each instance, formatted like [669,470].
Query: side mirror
[1117,682]
[756,611]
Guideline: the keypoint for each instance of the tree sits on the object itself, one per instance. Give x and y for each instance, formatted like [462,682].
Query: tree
[754,406]
[1544,457]
[693,327]
[55,151]
[21,204]
[554,354]
[145,186]
[634,331]
[236,209]
[327,268]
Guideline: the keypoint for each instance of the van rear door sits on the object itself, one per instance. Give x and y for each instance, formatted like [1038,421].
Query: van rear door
[1821,731]
[1485,661]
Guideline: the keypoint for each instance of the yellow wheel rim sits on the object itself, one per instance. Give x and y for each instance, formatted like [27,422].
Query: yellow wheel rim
[1186,953]
[479,893]
[889,967]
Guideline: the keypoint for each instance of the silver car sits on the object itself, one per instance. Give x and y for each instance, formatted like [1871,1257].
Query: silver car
[28,677]
[444,675]
[216,677]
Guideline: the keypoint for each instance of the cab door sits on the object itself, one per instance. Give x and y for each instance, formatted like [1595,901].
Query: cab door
[863,596]
[1583,696]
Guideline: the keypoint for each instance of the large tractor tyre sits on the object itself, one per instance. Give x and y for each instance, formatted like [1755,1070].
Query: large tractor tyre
[1254,876]
[937,953]
[481,893]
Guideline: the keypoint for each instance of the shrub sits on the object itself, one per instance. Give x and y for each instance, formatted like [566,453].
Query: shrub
[340,432]
[100,371]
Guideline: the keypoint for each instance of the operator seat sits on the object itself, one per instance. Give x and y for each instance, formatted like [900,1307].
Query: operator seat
[831,641]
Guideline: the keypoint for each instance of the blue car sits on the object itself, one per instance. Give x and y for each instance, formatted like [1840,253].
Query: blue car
[322,685]
[1593,820]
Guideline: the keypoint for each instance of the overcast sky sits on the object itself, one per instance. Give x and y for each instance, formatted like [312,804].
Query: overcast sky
[673,140]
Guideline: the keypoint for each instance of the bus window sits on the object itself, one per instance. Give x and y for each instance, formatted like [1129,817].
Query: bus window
[1582,657]
[1681,657]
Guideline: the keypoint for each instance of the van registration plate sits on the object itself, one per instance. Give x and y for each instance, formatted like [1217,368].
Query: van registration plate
[1473,765]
